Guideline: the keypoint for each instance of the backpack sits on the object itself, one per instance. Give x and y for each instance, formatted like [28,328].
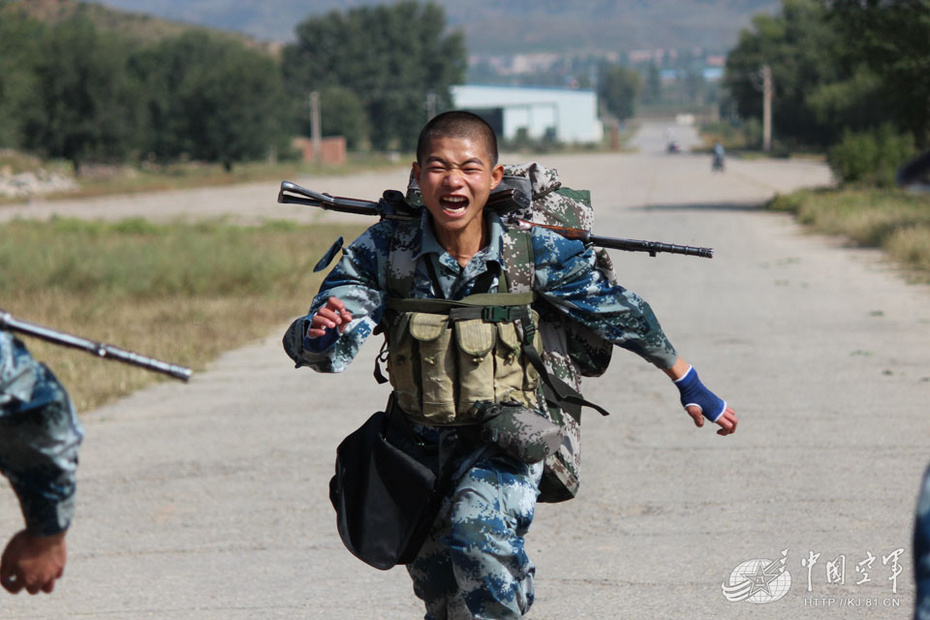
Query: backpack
[570,350]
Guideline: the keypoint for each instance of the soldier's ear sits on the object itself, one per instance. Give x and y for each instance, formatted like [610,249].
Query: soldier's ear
[497,175]
[416,172]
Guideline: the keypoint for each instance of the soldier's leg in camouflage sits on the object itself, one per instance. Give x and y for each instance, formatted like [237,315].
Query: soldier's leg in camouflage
[431,571]
[473,565]
[492,510]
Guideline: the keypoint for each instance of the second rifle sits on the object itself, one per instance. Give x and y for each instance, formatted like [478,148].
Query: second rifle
[105,351]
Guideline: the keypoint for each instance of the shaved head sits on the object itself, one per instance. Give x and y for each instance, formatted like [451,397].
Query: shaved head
[458,124]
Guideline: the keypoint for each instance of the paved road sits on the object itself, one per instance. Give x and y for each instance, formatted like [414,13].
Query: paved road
[208,500]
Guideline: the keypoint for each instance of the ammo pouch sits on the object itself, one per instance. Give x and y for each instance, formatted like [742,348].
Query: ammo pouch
[446,356]
[522,433]
[457,381]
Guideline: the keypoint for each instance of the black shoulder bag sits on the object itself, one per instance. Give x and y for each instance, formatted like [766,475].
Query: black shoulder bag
[385,498]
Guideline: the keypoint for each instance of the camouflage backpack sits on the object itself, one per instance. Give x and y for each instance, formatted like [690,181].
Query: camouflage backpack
[570,350]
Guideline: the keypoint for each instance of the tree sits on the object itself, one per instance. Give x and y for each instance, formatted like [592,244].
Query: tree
[343,114]
[211,99]
[801,50]
[18,38]
[390,56]
[618,89]
[653,91]
[81,105]
[891,38]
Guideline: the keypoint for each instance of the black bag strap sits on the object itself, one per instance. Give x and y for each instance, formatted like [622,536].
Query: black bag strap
[561,391]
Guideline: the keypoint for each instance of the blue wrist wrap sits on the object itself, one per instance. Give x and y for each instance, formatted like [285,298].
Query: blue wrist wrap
[693,392]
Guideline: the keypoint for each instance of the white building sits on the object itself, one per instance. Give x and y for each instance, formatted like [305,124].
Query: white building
[560,114]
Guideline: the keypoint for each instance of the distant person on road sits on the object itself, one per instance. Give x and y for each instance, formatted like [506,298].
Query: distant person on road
[39,439]
[719,156]
[474,563]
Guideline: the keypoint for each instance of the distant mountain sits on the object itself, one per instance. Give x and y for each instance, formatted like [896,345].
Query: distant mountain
[494,27]
[138,26]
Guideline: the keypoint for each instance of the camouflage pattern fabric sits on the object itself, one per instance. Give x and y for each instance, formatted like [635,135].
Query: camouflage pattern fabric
[39,439]
[571,350]
[585,354]
[473,563]
[522,433]
[921,549]
[392,256]
[566,278]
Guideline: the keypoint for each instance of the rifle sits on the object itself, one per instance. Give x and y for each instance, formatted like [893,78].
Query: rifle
[394,205]
[106,351]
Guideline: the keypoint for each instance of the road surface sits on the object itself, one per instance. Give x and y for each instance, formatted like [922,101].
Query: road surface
[209,500]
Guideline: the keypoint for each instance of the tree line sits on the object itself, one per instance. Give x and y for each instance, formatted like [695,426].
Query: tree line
[849,76]
[72,90]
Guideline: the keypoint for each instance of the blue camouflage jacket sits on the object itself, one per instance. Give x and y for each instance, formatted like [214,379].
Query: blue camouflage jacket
[565,280]
[39,439]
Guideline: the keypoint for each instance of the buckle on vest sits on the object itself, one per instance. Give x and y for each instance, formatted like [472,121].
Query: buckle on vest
[496,314]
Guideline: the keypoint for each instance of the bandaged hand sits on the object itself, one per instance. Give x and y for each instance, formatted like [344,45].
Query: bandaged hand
[693,393]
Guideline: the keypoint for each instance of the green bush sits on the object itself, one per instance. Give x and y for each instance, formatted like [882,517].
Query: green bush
[872,157]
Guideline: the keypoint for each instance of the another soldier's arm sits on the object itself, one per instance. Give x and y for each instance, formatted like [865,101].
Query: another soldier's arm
[33,563]
[39,439]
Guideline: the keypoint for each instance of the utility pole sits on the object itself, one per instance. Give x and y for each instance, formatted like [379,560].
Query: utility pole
[430,105]
[766,108]
[316,132]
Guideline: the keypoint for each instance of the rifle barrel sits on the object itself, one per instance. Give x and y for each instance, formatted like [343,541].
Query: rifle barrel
[627,245]
[652,247]
[106,351]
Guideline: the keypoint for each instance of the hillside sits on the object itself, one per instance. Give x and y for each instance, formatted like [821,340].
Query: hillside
[493,27]
[139,26]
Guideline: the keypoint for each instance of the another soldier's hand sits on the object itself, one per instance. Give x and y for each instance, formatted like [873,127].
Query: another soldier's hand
[33,562]
[332,315]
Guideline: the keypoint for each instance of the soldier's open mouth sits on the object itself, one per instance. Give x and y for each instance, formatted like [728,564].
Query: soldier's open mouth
[454,204]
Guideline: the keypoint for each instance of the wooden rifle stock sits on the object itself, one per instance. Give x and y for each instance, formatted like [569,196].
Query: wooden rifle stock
[627,245]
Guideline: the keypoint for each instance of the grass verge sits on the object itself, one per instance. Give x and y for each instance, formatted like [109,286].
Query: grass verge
[896,221]
[180,292]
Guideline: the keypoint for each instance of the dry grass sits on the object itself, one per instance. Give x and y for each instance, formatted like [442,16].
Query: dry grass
[183,293]
[896,221]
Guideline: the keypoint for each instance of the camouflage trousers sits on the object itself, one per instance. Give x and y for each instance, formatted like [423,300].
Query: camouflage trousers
[473,564]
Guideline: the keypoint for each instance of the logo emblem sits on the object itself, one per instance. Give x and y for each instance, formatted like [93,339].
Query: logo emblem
[758,581]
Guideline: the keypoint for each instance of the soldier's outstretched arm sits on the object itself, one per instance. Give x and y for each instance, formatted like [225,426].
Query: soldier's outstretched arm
[699,402]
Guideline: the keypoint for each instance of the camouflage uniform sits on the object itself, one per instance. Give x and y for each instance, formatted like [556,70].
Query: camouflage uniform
[39,439]
[921,549]
[474,564]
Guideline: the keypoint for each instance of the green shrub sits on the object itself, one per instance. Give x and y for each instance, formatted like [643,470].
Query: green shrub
[872,157]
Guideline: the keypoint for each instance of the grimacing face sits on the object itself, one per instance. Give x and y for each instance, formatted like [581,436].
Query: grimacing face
[456,177]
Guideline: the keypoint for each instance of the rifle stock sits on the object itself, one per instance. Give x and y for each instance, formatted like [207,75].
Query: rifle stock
[393,204]
[106,351]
